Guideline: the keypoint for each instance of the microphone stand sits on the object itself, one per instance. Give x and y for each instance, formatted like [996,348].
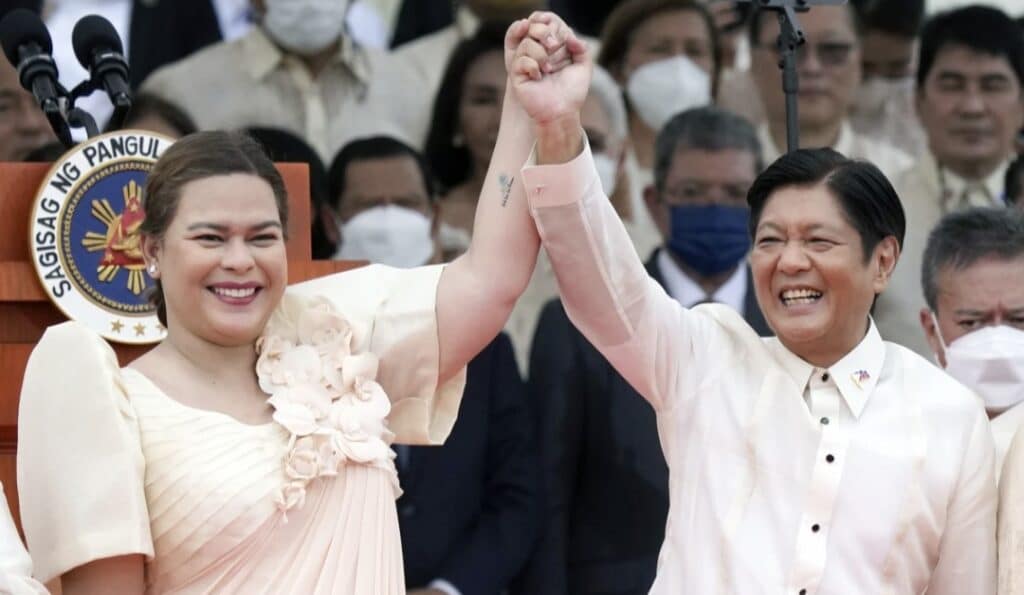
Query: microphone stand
[791,37]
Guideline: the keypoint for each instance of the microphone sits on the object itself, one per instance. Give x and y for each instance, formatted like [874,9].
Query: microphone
[28,48]
[98,48]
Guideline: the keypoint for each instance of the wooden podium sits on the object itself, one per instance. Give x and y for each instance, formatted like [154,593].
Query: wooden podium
[25,310]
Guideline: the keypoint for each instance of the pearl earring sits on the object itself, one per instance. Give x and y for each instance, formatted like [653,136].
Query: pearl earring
[152,270]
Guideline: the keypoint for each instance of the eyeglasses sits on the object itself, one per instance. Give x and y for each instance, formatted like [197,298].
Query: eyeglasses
[829,53]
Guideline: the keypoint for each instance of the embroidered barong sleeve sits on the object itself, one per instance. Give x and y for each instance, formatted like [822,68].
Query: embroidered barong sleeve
[80,463]
[394,312]
[656,344]
[1011,520]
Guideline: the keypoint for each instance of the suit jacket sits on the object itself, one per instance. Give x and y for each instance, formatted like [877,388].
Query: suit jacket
[471,509]
[606,479]
[165,31]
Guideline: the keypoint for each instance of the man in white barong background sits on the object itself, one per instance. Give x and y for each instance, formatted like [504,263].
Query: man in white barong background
[821,461]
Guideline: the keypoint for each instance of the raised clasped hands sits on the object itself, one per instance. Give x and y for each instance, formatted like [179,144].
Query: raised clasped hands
[549,69]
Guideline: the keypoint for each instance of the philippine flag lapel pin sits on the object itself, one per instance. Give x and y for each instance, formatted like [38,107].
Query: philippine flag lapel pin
[860,377]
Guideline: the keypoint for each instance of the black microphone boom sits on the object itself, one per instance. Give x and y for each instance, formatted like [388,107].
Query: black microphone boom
[791,36]
[28,48]
[98,48]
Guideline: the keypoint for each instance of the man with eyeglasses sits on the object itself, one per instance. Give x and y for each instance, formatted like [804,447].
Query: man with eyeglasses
[605,474]
[829,65]
[970,100]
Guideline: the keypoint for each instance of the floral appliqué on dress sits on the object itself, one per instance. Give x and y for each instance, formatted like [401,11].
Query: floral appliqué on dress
[324,394]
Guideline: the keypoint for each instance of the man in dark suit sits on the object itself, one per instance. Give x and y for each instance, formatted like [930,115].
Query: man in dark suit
[471,509]
[605,475]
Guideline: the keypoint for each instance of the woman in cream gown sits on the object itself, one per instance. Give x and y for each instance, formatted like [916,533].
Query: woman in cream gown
[175,475]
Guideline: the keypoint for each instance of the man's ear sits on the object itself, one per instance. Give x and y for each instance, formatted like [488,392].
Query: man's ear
[657,209]
[931,332]
[887,254]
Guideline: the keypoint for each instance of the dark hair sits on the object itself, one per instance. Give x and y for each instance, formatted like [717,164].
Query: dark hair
[867,199]
[704,128]
[285,147]
[1014,182]
[962,238]
[47,153]
[756,22]
[617,33]
[902,18]
[984,29]
[144,104]
[375,147]
[450,163]
[195,157]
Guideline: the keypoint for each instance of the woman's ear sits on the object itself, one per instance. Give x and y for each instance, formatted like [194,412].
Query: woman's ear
[151,249]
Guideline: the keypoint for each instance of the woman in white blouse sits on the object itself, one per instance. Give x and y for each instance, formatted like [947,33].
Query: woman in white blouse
[823,460]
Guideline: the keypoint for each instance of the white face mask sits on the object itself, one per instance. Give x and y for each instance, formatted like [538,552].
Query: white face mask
[305,26]
[607,171]
[662,89]
[874,94]
[989,361]
[395,236]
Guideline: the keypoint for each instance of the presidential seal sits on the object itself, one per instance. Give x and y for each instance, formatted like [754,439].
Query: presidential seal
[84,235]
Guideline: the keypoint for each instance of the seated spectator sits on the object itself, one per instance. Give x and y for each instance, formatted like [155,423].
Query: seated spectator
[604,120]
[284,147]
[606,477]
[23,127]
[1014,184]
[883,108]
[470,511]
[153,114]
[970,98]
[463,130]
[429,55]
[298,71]
[666,55]
[829,65]
[973,283]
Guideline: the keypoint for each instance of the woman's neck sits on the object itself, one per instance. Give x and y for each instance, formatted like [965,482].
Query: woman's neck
[232,366]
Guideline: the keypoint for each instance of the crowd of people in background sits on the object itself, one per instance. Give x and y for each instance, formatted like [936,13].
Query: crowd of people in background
[553,480]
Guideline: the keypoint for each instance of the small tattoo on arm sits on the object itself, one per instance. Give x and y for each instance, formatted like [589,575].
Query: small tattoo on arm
[506,187]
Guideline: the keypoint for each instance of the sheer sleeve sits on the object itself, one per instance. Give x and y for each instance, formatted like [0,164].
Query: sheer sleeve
[394,315]
[80,463]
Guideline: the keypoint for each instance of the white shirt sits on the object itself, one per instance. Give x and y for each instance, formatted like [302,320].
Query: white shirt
[686,291]
[877,477]
[1004,428]
[250,82]
[887,158]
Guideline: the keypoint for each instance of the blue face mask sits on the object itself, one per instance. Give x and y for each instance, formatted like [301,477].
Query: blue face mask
[710,239]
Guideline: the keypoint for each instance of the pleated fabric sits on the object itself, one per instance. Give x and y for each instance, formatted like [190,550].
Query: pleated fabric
[210,483]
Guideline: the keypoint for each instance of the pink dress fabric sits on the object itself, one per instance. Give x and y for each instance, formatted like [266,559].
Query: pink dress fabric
[304,504]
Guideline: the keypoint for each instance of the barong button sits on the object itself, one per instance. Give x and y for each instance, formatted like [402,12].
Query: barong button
[815,528]
[824,421]
[824,377]
[829,458]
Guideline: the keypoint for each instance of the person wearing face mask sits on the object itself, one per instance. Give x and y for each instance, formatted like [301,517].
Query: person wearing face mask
[883,106]
[606,477]
[829,67]
[973,283]
[970,100]
[666,55]
[604,119]
[470,534]
[299,71]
